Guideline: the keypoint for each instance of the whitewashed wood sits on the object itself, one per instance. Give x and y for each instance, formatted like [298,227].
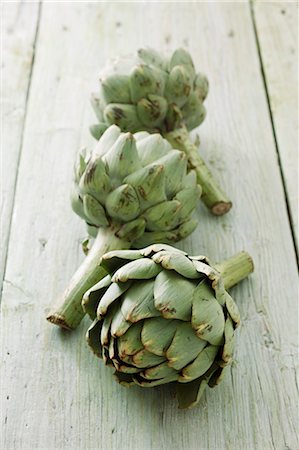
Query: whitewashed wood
[59,395]
[277,29]
[18,30]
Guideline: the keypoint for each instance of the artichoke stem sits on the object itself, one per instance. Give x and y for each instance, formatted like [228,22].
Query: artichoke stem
[212,196]
[235,269]
[69,312]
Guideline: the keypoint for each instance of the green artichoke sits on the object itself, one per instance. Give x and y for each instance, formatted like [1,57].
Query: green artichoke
[131,191]
[149,92]
[161,316]
[152,93]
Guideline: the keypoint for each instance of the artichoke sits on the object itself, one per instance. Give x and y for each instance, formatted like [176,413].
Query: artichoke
[161,316]
[130,191]
[152,93]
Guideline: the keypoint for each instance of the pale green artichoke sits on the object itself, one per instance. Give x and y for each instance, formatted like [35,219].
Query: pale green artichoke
[162,316]
[148,92]
[131,191]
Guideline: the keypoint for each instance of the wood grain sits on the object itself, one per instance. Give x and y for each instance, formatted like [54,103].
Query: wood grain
[277,30]
[56,394]
[18,33]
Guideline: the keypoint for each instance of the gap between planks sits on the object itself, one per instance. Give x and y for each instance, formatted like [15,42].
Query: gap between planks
[7,238]
[280,166]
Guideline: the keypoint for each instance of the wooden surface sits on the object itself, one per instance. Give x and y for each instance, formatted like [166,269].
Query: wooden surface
[54,393]
[277,25]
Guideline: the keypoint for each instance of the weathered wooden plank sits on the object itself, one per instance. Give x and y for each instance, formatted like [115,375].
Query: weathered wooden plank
[56,394]
[18,31]
[277,31]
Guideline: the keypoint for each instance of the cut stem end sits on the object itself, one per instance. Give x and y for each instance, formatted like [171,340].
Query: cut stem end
[235,269]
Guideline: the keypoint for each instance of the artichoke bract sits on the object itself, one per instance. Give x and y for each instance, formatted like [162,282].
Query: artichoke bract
[130,191]
[161,316]
[156,94]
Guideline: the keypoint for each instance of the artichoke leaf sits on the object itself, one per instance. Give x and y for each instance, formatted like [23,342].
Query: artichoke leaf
[207,315]
[92,297]
[138,303]
[175,166]
[124,116]
[185,347]
[141,269]
[143,382]
[178,262]
[113,292]
[149,183]
[152,57]
[146,80]
[116,89]
[173,295]
[130,342]
[160,371]
[115,259]
[94,211]
[123,204]
[119,324]
[93,337]
[152,110]
[200,365]
[108,139]
[122,158]
[229,338]
[152,147]
[144,359]
[157,334]
[189,394]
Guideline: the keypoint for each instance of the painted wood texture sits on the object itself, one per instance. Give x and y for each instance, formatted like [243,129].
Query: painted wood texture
[18,32]
[55,393]
[277,27]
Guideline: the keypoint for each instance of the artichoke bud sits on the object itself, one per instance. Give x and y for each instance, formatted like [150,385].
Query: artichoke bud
[151,148]
[108,138]
[125,116]
[137,188]
[116,89]
[152,57]
[122,158]
[98,129]
[159,319]
[152,110]
[138,101]
[201,86]
[95,179]
[132,230]
[98,105]
[179,85]
[94,211]
[123,203]
[173,117]
[149,183]
[145,80]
